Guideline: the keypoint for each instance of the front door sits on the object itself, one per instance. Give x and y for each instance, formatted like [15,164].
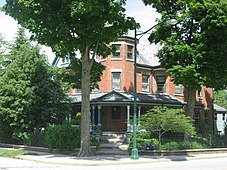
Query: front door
[114,119]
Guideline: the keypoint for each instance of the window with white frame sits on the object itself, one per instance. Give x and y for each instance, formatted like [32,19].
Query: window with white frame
[145,83]
[117,51]
[116,80]
[200,94]
[130,50]
[161,81]
[179,89]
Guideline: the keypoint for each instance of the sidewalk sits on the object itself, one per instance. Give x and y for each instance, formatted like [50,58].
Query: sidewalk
[100,160]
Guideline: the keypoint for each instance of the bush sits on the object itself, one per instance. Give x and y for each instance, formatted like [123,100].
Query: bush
[169,146]
[191,145]
[37,139]
[181,145]
[63,137]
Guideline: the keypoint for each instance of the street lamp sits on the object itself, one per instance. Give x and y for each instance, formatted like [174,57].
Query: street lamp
[134,153]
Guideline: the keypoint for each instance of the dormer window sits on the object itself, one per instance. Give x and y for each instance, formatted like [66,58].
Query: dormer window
[117,51]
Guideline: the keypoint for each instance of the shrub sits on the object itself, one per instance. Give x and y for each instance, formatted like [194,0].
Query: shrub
[169,146]
[191,145]
[63,137]
[181,145]
[37,139]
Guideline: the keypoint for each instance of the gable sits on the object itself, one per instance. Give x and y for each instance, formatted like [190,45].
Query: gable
[112,96]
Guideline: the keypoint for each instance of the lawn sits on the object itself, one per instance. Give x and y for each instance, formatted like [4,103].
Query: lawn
[10,153]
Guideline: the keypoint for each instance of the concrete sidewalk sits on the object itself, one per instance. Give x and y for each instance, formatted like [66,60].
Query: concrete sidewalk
[100,160]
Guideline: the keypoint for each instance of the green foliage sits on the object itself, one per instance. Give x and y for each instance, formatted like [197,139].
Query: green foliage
[220,97]
[30,95]
[181,145]
[162,119]
[87,26]
[37,139]
[63,137]
[73,78]
[193,44]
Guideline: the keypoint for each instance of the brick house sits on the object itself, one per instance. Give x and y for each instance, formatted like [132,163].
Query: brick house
[112,104]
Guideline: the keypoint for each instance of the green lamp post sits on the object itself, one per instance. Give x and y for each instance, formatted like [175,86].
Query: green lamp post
[134,153]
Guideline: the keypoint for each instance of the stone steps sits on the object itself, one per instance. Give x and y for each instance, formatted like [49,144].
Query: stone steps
[112,144]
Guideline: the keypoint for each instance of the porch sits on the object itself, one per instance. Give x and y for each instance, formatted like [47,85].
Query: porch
[113,111]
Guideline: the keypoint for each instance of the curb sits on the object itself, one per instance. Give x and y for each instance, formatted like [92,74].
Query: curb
[45,156]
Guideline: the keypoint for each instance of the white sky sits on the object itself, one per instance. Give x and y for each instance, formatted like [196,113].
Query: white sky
[145,15]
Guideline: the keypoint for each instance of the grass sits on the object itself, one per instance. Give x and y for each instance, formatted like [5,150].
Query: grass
[11,153]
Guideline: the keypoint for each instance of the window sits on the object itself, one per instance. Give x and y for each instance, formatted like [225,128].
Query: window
[117,51]
[179,89]
[116,113]
[130,52]
[200,93]
[116,80]
[145,83]
[161,80]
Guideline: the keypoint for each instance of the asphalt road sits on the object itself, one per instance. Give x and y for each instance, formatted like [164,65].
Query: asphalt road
[198,164]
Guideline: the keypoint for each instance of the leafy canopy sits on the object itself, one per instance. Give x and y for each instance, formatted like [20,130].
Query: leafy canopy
[66,25]
[195,43]
[30,96]
[162,119]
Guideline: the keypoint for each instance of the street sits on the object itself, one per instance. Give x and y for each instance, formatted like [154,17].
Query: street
[200,164]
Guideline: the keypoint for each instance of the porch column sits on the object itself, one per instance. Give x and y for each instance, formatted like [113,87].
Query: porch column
[139,112]
[99,118]
[128,119]
[93,118]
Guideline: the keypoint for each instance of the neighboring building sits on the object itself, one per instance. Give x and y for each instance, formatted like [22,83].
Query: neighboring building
[112,105]
[220,119]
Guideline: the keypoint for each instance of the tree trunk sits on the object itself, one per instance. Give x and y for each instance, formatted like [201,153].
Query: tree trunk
[190,97]
[85,108]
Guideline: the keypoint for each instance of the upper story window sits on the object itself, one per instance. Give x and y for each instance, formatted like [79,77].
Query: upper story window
[200,94]
[161,81]
[179,89]
[117,52]
[130,53]
[116,80]
[145,83]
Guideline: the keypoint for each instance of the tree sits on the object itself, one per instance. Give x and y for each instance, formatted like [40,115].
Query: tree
[192,46]
[162,119]
[30,96]
[72,74]
[70,25]
[220,97]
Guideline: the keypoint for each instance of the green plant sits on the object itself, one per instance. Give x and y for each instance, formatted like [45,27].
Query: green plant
[37,139]
[63,137]
[161,120]
[181,145]
[169,146]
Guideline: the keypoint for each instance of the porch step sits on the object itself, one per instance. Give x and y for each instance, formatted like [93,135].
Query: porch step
[113,144]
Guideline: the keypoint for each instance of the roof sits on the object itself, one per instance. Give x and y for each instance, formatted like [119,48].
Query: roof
[121,98]
[218,108]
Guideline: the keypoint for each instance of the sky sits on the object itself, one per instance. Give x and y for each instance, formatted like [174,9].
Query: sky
[145,15]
